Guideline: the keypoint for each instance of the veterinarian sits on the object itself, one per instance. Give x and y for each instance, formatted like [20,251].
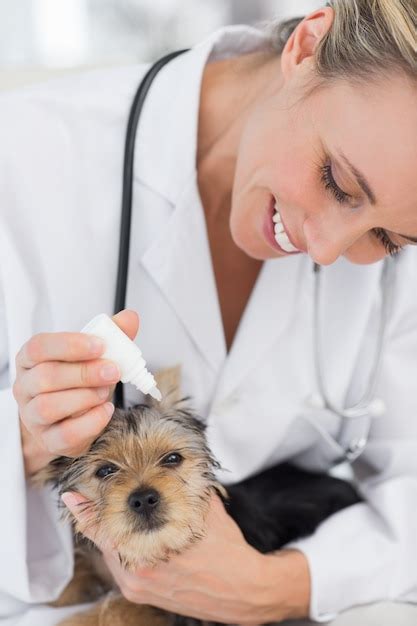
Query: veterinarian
[315,134]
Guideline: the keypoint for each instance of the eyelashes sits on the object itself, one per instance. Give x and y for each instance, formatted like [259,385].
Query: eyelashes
[330,183]
[343,198]
[390,247]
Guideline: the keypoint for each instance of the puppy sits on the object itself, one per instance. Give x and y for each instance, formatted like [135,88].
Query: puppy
[149,478]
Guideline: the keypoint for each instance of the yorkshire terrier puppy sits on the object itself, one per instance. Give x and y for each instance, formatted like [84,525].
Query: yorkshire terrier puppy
[149,478]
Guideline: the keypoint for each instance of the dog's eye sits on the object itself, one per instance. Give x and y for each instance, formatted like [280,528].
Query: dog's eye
[174,458]
[106,470]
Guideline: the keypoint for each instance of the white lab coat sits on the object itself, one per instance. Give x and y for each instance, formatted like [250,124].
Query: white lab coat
[61,154]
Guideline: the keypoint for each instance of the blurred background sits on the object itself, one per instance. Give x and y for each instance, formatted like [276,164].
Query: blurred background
[39,38]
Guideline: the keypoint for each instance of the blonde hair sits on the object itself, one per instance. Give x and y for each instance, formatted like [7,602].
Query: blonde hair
[367,38]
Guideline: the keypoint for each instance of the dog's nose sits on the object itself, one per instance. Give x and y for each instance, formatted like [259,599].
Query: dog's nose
[144,501]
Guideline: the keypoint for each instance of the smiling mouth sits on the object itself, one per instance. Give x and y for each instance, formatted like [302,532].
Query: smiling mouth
[280,234]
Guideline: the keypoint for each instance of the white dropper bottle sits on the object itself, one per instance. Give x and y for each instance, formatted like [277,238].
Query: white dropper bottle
[125,353]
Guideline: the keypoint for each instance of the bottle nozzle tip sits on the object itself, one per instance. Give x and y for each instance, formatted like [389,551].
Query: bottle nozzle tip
[155,393]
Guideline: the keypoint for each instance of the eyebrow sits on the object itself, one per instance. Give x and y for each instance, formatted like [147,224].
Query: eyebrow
[360,179]
[365,186]
[413,239]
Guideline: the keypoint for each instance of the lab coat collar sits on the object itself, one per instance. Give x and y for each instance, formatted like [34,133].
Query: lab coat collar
[179,262]
[166,142]
[165,162]
[266,316]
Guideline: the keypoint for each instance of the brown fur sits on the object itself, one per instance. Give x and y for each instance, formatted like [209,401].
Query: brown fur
[115,610]
[90,581]
[136,442]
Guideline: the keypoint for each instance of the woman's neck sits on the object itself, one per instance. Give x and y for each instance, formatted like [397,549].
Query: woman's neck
[230,89]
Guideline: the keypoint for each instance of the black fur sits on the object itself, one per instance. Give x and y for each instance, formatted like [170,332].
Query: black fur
[285,503]
[281,504]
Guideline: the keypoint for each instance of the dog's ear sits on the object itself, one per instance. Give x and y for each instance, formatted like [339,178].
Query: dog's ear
[52,473]
[168,380]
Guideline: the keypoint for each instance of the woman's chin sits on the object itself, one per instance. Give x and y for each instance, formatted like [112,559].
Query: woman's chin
[258,250]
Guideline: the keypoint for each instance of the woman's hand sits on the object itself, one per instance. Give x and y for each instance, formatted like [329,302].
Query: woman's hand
[221,578]
[62,393]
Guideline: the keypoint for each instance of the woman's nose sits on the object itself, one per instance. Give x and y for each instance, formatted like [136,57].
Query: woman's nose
[327,238]
[324,251]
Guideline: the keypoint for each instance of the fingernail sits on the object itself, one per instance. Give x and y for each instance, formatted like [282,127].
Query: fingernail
[70,499]
[96,345]
[109,408]
[109,372]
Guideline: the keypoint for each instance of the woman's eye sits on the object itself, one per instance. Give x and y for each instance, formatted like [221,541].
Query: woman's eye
[341,196]
[174,458]
[106,470]
[390,247]
[330,183]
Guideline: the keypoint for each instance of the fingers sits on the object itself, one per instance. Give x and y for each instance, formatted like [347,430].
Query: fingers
[128,322]
[53,417]
[73,500]
[62,387]
[45,409]
[59,347]
[71,346]
[74,435]
[53,376]
[83,511]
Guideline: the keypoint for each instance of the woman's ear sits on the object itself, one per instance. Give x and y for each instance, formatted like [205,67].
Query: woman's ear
[304,40]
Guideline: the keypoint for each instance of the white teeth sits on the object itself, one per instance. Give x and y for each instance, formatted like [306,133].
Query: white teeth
[280,235]
[284,242]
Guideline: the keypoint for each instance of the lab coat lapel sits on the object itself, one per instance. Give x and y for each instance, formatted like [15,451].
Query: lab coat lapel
[166,142]
[179,262]
[178,259]
[286,287]
[265,318]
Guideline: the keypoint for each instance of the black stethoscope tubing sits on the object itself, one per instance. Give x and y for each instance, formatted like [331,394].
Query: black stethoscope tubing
[127,192]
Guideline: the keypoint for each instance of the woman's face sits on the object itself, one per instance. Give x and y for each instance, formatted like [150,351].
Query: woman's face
[295,152]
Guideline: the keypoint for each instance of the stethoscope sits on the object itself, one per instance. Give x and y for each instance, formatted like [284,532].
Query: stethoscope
[368,405]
